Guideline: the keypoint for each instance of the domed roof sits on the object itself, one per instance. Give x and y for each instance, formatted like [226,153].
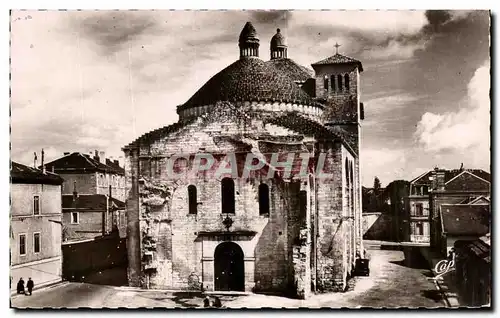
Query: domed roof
[278,40]
[249,80]
[248,34]
[295,71]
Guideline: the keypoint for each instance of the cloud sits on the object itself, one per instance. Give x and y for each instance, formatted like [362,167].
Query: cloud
[465,131]
[386,163]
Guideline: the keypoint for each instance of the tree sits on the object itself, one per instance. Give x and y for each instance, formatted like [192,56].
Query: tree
[376,185]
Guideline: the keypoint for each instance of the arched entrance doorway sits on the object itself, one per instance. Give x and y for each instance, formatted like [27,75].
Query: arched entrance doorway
[229,267]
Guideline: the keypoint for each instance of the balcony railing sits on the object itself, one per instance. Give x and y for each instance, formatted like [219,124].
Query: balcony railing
[420,238]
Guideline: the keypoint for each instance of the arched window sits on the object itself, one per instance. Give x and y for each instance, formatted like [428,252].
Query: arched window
[227,189]
[325,82]
[346,80]
[263,199]
[192,199]
[332,82]
[339,79]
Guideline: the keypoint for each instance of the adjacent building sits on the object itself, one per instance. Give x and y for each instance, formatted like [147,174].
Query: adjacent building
[287,233]
[462,222]
[90,174]
[87,216]
[439,186]
[473,271]
[35,224]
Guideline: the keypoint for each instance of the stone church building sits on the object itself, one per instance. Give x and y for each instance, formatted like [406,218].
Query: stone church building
[292,234]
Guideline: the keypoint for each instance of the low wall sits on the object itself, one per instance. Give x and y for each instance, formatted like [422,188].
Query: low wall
[377,226]
[82,258]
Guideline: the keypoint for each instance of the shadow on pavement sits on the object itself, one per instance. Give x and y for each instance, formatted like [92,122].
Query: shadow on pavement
[116,276]
[433,294]
[185,299]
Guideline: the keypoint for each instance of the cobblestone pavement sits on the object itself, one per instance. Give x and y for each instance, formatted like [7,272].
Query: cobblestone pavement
[392,283]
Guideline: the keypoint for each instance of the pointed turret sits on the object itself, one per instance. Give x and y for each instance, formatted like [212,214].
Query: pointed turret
[249,41]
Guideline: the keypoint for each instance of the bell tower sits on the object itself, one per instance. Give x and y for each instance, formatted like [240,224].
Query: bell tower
[337,87]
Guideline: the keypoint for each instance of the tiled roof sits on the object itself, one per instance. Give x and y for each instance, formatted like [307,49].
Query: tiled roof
[90,202]
[304,125]
[481,248]
[450,174]
[20,173]
[295,71]
[339,59]
[158,133]
[78,163]
[249,79]
[465,219]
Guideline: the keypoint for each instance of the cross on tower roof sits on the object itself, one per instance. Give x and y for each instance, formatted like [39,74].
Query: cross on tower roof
[337,48]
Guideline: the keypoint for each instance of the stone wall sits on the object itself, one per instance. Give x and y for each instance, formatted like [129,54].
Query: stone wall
[377,226]
[168,247]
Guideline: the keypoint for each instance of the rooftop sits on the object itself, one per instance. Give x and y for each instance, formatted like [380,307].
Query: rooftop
[465,219]
[77,162]
[339,59]
[295,71]
[90,202]
[20,173]
[249,79]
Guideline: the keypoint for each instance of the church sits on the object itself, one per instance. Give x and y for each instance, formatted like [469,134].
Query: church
[292,234]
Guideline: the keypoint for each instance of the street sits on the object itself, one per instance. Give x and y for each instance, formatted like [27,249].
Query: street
[392,283]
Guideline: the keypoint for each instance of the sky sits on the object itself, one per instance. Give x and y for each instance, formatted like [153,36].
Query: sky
[89,80]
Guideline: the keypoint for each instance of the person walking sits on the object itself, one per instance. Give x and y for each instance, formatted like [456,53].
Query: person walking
[20,286]
[206,302]
[30,286]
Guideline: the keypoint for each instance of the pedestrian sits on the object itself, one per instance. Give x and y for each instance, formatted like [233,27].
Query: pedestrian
[20,286]
[30,286]
[206,302]
[217,303]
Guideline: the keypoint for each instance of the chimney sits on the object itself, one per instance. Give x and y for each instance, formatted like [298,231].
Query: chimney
[66,153]
[438,179]
[75,194]
[96,155]
[43,163]
[34,160]
[116,162]
[102,157]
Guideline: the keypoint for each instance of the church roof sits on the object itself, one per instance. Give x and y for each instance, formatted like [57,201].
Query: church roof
[339,59]
[295,71]
[249,79]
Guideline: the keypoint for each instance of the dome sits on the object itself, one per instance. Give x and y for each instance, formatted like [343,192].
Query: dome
[278,40]
[249,80]
[295,71]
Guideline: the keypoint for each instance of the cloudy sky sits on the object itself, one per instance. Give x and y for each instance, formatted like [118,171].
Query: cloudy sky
[97,80]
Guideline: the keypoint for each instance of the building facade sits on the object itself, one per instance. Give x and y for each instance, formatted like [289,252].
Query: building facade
[264,230]
[439,186]
[90,174]
[87,216]
[35,223]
